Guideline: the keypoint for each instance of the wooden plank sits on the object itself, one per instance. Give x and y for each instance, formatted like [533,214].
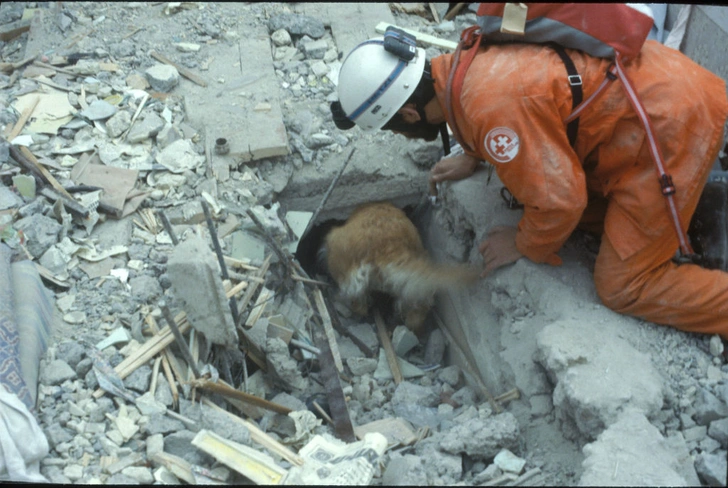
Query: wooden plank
[421,37]
[328,328]
[12,133]
[242,67]
[388,349]
[257,466]
[221,388]
[178,466]
[259,436]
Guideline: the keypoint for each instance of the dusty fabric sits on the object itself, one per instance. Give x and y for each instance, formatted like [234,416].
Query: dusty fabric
[515,98]
[10,371]
[33,317]
[22,442]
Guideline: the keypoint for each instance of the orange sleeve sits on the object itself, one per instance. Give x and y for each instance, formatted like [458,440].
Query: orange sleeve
[539,167]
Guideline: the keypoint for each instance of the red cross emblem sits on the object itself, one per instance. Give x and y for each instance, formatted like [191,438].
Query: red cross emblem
[502,144]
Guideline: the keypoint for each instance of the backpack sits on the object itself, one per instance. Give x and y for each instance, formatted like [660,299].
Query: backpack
[614,31]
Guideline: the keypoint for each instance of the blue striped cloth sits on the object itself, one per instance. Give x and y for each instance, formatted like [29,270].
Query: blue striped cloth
[26,315]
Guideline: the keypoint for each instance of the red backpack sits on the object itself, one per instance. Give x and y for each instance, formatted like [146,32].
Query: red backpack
[615,31]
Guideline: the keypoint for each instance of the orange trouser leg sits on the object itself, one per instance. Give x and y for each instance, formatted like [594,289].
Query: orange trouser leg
[651,286]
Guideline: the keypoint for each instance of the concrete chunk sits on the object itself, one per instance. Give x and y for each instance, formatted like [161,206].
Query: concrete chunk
[196,281]
[574,353]
[632,452]
[482,437]
[162,77]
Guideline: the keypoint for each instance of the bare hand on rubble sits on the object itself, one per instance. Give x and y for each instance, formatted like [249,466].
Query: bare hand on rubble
[454,168]
[499,249]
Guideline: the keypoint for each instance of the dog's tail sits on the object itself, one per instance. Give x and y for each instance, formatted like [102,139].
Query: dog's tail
[417,280]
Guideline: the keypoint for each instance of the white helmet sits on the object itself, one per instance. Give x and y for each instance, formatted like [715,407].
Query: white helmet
[374,83]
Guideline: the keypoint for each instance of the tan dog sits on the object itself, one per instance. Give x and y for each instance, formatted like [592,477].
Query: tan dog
[379,249]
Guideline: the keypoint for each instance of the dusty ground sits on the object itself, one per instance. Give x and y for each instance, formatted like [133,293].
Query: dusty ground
[523,300]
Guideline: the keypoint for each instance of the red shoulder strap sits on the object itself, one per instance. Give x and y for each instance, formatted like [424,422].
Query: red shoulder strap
[469,41]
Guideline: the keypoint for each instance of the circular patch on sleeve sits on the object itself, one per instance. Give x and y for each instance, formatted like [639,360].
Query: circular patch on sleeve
[502,144]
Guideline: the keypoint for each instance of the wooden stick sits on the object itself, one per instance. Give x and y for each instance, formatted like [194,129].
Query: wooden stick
[25,152]
[229,391]
[513,394]
[15,130]
[468,366]
[55,68]
[253,288]
[454,11]
[323,413]
[236,289]
[309,280]
[155,372]
[170,380]
[388,349]
[259,436]
[132,32]
[145,97]
[328,193]
[148,350]
[433,10]
[328,328]
[53,85]
[168,363]
[182,70]
[236,263]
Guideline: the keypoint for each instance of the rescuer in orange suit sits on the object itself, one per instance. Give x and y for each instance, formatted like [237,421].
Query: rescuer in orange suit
[514,102]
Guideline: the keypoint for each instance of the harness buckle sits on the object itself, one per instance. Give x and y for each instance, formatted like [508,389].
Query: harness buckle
[575,80]
[666,185]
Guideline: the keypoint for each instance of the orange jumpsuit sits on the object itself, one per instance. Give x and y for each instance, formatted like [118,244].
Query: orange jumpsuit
[515,98]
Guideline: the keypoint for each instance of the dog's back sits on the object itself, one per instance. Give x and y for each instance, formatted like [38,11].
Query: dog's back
[379,249]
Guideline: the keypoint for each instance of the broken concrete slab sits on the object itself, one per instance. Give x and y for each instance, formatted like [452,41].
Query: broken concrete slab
[482,438]
[574,352]
[351,23]
[195,279]
[246,77]
[397,178]
[632,452]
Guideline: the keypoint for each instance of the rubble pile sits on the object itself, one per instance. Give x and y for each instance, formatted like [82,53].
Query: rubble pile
[190,345]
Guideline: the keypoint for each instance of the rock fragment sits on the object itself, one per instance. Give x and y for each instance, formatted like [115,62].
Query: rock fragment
[162,77]
[297,25]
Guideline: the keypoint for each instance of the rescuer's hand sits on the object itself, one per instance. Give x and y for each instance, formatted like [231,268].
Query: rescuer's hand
[499,249]
[454,168]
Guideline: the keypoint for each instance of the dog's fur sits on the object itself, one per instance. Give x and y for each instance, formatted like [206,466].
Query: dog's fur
[379,249]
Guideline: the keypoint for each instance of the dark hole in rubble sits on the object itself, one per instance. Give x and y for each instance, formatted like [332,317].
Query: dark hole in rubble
[308,250]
